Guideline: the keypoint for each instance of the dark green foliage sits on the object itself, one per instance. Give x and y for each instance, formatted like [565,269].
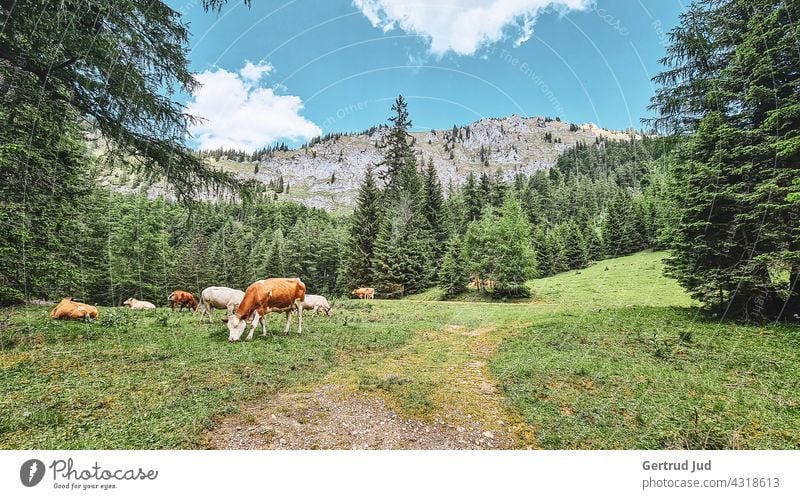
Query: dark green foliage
[435,213]
[396,146]
[275,260]
[575,252]
[549,246]
[481,246]
[594,245]
[314,248]
[732,83]
[498,247]
[398,234]
[42,175]
[497,189]
[120,246]
[473,200]
[453,276]
[515,262]
[52,64]
[364,228]
[403,249]
[618,228]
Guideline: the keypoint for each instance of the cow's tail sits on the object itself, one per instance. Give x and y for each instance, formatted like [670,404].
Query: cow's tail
[199,304]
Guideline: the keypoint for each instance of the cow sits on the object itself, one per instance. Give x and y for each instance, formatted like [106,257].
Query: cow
[219,297]
[69,309]
[182,299]
[135,304]
[364,293]
[265,296]
[318,304]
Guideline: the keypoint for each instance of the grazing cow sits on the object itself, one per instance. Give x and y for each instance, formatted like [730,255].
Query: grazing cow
[318,304]
[135,304]
[364,293]
[67,308]
[219,297]
[263,297]
[182,299]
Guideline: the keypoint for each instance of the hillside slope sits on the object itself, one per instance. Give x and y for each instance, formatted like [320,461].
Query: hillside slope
[511,145]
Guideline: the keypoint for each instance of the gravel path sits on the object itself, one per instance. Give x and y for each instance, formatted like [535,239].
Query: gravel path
[466,411]
[331,417]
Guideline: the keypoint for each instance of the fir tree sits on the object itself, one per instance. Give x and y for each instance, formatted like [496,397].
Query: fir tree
[453,277]
[403,249]
[618,235]
[275,262]
[515,259]
[396,148]
[363,233]
[497,189]
[732,81]
[435,213]
[549,247]
[473,201]
[575,252]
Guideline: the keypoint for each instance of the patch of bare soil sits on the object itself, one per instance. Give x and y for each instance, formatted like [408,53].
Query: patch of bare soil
[464,409]
[332,417]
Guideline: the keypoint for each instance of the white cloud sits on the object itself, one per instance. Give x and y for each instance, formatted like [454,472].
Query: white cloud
[239,113]
[254,72]
[462,26]
[526,31]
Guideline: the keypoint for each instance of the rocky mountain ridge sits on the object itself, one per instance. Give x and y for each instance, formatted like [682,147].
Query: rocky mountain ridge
[328,173]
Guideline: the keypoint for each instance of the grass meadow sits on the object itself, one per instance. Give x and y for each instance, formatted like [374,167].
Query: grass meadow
[613,356]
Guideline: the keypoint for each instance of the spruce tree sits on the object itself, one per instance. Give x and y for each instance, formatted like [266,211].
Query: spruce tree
[396,148]
[732,82]
[481,245]
[497,189]
[549,252]
[575,252]
[403,252]
[435,213]
[473,201]
[453,277]
[515,258]
[363,232]
[277,258]
[403,249]
[594,245]
[618,233]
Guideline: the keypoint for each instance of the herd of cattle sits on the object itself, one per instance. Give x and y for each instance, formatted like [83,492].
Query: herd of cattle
[287,295]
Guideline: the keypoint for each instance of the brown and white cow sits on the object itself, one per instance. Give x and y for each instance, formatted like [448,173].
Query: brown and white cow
[182,299]
[364,293]
[265,296]
[69,309]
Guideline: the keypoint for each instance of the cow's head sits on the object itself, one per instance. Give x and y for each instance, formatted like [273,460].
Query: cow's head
[329,312]
[128,302]
[236,327]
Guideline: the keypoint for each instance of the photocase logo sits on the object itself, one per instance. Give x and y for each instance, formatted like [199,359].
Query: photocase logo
[31,472]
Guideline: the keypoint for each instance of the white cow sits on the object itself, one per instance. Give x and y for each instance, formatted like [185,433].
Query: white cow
[219,297]
[318,304]
[135,304]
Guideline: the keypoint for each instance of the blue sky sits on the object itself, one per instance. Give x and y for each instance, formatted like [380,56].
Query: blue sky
[336,65]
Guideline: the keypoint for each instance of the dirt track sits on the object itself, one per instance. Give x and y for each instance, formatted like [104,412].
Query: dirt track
[462,406]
